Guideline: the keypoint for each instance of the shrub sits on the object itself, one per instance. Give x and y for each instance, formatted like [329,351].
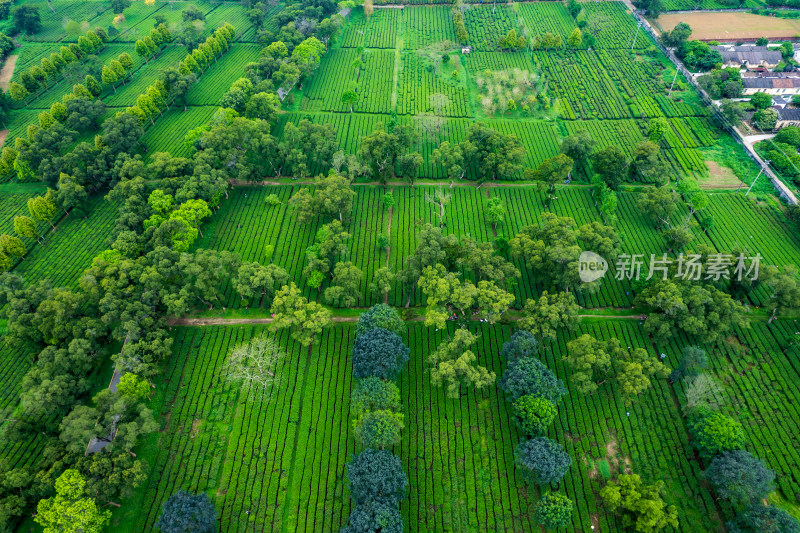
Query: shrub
[534,414]
[542,460]
[378,429]
[376,475]
[379,352]
[554,510]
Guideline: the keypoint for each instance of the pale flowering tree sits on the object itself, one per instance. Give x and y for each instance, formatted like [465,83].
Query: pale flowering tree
[255,362]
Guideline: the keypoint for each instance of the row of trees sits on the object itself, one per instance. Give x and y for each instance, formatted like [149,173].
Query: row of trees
[51,68]
[376,477]
[148,47]
[535,393]
[733,473]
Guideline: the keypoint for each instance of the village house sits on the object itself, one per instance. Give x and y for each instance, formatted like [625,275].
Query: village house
[748,56]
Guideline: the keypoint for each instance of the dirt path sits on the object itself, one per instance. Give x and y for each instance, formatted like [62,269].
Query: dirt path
[393,183]
[183,321]
[7,72]
[3,136]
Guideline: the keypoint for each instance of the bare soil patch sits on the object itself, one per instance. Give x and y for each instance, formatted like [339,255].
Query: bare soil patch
[731,26]
[720,177]
[7,71]
[619,463]
[3,136]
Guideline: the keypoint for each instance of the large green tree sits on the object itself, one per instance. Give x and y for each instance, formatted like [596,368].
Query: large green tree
[187,512]
[290,309]
[549,314]
[542,461]
[70,510]
[740,478]
[454,365]
[640,506]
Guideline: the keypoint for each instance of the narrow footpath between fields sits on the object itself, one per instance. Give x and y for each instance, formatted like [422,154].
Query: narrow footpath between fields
[340,316]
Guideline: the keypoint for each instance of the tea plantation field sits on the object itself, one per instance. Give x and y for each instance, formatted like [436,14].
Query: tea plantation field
[245,247]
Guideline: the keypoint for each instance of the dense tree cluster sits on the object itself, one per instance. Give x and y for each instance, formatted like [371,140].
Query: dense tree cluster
[432,267]
[640,506]
[552,249]
[594,362]
[125,296]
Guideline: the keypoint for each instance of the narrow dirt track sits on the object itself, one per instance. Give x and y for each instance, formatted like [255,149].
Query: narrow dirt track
[184,321]
[7,71]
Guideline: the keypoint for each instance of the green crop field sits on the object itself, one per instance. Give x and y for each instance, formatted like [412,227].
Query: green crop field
[66,252]
[458,453]
[208,314]
[248,226]
[293,476]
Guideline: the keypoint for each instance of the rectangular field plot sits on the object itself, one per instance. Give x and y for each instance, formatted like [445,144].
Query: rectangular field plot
[486,25]
[378,31]
[259,233]
[236,15]
[13,204]
[427,25]
[617,27]
[281,455]
[417,83]
[54,21]
[63,86]
[219,76]
[539,138]
[67,252]
[136,23]
[460,453]
[335,75]
[273,461]
[376,83]
[31,53]
[477,62]
[248,226]
[583,89]
[544,17]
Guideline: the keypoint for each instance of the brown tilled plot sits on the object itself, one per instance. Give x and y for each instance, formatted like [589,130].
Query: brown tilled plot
[730,26]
